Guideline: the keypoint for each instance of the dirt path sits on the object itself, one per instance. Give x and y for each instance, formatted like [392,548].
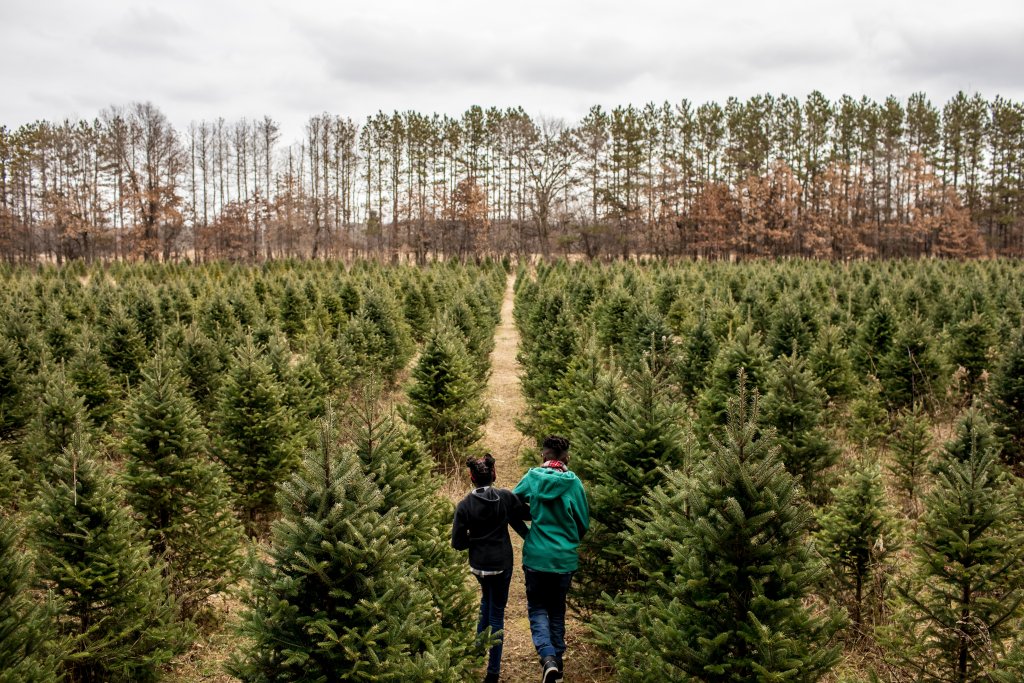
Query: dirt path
[503,440]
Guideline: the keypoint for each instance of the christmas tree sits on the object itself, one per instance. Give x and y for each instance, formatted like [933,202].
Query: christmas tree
[59,412]
[13,386]
[96,383]
[644,434]
[399,466]
[794,406]
[202,365]
[181,499]
[699,349]
[911,450]
[742,351]
[973,432]
[123,346]
[446,398]
[338,600]
[910,370]
[970,343]
[957,617]
[116,619]
[1006,396]
[255,435]
[831,364]
[27,643]
[726,570]
[857,537]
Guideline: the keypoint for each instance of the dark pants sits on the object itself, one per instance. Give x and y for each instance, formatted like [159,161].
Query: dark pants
[545,603]
[493,598]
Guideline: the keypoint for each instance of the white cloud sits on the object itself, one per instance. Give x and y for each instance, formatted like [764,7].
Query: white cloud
[290,59]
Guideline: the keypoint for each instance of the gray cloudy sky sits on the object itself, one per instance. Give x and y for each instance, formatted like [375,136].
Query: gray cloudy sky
[289,59]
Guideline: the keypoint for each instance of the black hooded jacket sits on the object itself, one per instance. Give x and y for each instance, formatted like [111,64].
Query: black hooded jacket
[481,525]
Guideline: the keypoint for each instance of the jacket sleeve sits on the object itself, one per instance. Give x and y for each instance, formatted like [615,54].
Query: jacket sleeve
[582,510]
[460,531]
[517,514]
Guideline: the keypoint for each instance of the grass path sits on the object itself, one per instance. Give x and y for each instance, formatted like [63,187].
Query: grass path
[519,661]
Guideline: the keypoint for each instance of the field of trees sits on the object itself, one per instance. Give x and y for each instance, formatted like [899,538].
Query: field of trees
[769,176]
[798,470]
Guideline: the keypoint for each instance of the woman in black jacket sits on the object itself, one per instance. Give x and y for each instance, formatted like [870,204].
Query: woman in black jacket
[481,526]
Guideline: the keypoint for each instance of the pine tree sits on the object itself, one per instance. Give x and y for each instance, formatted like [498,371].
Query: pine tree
[181,499]
[399,466]
[446,398]
[1006,396]
[857,537]
[910,370]
[337,600]
[96,383]
[726,570]
[742,351]
[255,436]
[27,643]
[13,387]
[911,447]
[645,433]
[59,411]
[831,364]
[699,349]
[957,617]
[202,367]
[123,346]
[794,406]
[868,416]
[973,432]
[971,340]
[115,615]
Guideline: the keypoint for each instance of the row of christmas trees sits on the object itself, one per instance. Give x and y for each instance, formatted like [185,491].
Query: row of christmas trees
[724,535]
[153,415]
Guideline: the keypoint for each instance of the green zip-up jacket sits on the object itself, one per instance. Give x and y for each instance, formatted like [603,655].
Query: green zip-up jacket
[558,506]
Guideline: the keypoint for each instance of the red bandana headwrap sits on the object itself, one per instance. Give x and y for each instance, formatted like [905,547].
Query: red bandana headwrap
[555,465]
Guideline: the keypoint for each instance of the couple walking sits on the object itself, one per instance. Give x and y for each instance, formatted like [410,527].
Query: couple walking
[552,499]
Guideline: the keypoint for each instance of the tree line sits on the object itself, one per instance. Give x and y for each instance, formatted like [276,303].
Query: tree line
[768,176]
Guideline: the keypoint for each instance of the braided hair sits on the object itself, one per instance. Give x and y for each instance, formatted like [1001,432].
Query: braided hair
[481,470]
[558,445]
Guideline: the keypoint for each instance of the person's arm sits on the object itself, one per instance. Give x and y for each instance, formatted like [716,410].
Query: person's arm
[582,510]
[518,513]
[460,530]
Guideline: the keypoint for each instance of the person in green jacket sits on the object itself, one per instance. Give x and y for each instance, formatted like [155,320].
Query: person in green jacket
[558,507]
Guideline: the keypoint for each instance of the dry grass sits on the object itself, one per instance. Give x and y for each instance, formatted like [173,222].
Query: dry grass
[583,663]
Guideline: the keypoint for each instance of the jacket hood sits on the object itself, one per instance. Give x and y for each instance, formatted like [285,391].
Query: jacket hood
[486,494]
[550,484]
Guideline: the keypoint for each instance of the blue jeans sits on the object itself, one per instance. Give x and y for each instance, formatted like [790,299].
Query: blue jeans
[493,598]
[545,603]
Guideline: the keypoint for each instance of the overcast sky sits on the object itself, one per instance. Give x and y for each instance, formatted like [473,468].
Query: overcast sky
[289,59]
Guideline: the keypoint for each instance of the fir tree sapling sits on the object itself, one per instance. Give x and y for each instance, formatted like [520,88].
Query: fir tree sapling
[446,398]
[726,570]
[794,406]
[115,616]
[255,434]
[181,498]
[29,651]
[644,434]
[337,600]
[857,536]
[1006,396]
[957,616]
[911,452]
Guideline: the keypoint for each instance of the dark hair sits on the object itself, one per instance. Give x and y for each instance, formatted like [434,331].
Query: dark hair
[559,445]
[481,469]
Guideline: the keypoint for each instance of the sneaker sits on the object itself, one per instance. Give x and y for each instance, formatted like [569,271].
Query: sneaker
[491,678]
[549,670]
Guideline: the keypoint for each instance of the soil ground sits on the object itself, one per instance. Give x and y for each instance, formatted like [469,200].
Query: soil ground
[583,664]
